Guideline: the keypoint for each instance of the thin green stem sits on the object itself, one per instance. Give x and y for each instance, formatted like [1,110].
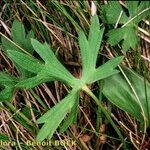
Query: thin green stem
[38,99]
[99,112]
[19,113]
[89,92]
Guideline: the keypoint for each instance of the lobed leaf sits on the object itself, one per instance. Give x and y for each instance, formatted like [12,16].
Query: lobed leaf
[18,32]
[6,45]
[85,55]
[7,82]
[90,48]
[6,78]
[6,94]
[105,70]
[56,114]
[137,11]
[52,70]
[112,11]
[94,39]
[19,36]
[44,51]
[127,34]
[72,117]
[34,81]
[52,66]
[20,41]
[27,62]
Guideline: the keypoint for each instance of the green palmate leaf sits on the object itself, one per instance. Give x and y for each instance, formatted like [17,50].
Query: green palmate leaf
[105,70]
[72,117]
[7,85]
[127,34]
[54,116]
[6,44]
[32,82]
[18,32]
[112,12]
[6,94]
[94,39]
[27,42]
[52,70]
[19,36]
[53,67]
[90,48]
[20,41]
[25,61]
[137,11]
[118,91]
[132,7]
[33,65]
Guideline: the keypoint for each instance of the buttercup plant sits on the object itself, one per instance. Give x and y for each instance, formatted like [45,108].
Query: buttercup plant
[100,107]
[52,70]
[128,20]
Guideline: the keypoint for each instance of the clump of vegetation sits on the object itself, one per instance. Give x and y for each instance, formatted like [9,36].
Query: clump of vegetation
[84,81]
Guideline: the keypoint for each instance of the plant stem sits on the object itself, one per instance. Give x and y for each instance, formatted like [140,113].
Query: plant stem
[38,99]
[19,113]
[89,92]
[99,112]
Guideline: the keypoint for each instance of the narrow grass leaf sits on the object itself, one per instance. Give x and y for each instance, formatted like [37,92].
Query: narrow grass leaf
[63,10]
